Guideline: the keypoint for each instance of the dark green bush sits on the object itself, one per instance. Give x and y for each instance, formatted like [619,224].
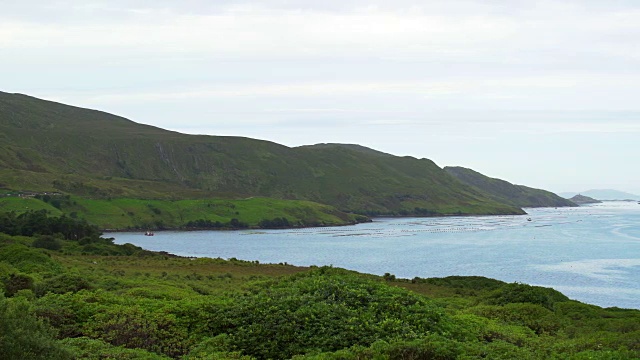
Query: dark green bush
[47,242]
[326,310]
[23,336]
[28,259]
[70,311]
[134,327]
[463,282]
[92,349]
[535,317]
[522,293]
[62,284]
[16,282]
[39,222]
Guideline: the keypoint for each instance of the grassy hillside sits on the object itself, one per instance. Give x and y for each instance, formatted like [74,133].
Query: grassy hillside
[505,192]
[90,299]
[126,213]
[46,146]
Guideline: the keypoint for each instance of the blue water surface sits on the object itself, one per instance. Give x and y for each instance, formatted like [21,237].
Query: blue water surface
[590,253]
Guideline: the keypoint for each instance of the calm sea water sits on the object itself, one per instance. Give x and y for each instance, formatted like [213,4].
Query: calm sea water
[590,253]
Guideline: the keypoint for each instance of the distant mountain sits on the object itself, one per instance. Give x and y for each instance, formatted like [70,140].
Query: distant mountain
[48,146]
[583,200]
[603,194]
[506,192]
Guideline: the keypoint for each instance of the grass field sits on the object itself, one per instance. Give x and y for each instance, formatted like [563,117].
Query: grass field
[125,213]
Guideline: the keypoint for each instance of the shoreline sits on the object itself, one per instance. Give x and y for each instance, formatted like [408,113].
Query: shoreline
[229,229]
[370,219]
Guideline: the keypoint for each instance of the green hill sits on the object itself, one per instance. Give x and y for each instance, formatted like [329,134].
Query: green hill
[47,146]
[505,192]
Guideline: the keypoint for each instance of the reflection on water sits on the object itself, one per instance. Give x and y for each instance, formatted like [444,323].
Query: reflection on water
[591,253]
[602,269]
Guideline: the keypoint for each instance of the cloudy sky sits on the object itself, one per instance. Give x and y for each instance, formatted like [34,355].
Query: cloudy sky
[541,93]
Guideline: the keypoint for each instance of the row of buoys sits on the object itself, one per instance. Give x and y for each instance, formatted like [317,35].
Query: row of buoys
[404,230]
[448,230]
[378,232]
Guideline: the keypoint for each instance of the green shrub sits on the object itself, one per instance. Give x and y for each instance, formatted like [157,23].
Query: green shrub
[27,259]
[578,311]
[69,312]
[522,293]
[16,282]
[47,242]
[214,349]
[463,282]
[432,347]
[133,327]
[621,354]
[92,349]
[23,336]
[535,317]
[62,284]
[326,310]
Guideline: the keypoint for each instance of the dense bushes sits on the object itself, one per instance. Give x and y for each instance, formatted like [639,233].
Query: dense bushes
[28,259]
[23,336]
[16,282]
[134,327]
[522,293]
[327,310]
[92,349]
[62,284]
[47,242]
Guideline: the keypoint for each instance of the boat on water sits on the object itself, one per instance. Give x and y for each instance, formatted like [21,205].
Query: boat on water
[149,233]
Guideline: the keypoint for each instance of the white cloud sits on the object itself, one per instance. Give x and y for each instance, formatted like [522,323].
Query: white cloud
[403,71]
[422,32]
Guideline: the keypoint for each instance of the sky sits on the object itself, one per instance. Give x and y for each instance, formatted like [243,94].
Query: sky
[540,93]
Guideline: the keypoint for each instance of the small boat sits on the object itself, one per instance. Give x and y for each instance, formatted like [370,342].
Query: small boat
[149,233]
[528,219]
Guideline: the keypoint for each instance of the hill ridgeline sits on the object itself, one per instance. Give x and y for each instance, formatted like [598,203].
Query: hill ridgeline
[506,192]
[48,146]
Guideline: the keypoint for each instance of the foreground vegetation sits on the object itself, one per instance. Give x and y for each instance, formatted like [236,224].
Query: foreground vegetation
[70,294]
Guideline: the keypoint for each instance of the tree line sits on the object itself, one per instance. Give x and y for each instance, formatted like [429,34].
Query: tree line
[39,222]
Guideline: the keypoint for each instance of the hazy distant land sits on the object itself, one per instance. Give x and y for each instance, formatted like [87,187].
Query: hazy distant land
[603,194]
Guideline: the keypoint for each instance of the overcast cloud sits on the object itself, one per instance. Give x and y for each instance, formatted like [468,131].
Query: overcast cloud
[542,93]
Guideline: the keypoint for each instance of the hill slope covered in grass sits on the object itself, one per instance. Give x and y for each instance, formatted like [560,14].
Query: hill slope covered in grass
[123,214]
[47,146]
[506,192]
[78,296]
